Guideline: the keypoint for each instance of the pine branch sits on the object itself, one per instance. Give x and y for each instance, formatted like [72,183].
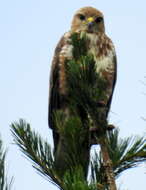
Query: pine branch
[4,183]
[75,180]
[126,153]
[39,152]
[36,149]
[72,130]
[86,89]
[97,172]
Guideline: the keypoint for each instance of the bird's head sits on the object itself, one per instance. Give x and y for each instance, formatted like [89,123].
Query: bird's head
[88,19]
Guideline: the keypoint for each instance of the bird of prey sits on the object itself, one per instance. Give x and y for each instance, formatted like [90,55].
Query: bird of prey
[90,21]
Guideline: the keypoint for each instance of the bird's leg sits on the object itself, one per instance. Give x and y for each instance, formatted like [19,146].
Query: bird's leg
[100,118]
[99,124]
[60,157]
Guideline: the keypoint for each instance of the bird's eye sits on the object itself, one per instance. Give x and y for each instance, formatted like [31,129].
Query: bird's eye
[82,17]
[98,19]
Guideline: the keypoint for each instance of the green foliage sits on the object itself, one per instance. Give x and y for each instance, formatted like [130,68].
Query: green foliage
[97,172]
[126,153]
[79,43]
[85,86]
[75,180]
[76,144]
[37,150]
[4,183]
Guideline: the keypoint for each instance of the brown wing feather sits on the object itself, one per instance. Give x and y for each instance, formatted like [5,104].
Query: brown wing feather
[54,96]
[114,78]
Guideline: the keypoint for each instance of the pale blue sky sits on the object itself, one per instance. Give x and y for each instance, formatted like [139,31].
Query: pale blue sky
[29,32]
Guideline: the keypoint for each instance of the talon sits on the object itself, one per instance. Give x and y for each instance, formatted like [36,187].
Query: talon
[110,127]
[101,103]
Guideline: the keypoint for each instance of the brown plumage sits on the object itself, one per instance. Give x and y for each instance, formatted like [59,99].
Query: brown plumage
[90,21]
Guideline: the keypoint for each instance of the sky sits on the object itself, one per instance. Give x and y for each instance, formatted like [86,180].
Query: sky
[29,32]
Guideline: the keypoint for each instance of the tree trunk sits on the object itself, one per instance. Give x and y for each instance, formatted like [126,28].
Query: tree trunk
[107,164]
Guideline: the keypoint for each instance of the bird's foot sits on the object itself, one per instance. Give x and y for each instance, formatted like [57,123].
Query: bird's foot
[110,127]
[101,103]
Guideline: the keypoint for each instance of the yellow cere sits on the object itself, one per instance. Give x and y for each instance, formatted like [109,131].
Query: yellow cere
[90,19]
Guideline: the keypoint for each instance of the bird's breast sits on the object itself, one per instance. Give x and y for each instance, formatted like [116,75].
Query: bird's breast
[101,47]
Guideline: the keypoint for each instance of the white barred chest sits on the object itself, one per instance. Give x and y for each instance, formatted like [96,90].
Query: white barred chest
[100,47]
[103,52]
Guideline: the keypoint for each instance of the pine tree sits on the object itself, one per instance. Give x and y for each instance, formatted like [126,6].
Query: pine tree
[116,155]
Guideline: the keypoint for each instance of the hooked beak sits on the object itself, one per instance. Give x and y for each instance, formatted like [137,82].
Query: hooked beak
[90,24]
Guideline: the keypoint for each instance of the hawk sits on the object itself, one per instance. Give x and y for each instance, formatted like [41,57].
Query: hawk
[90,21]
